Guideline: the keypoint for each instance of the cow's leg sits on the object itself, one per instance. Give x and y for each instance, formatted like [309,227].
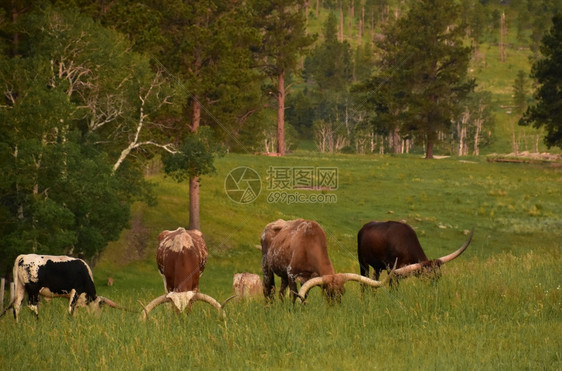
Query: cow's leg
[72,301]
[32,290]
[364,269]
[293,287]
[268,283]
[18,299]
[283,287]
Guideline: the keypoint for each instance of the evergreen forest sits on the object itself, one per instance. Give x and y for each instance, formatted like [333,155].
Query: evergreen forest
[95,92]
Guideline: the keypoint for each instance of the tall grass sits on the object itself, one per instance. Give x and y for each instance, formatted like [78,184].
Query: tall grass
[499,305]
[496,313]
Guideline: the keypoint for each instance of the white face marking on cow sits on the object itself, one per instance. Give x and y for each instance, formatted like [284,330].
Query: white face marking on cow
[181,299]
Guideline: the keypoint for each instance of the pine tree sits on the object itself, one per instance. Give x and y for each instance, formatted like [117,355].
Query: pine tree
[546,72]
[284,40]
[206,47]
[422,75]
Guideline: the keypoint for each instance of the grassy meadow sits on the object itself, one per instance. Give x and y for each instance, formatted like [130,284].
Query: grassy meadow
[498,306]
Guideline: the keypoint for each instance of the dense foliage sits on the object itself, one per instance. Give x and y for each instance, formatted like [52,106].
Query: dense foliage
[422,73]
[546,72]
[71,101]
[92,89]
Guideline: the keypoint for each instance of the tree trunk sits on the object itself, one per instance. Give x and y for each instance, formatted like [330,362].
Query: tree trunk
[362,25]
[429,151]
[537,143]
[477,137]
[341,22]
[281,114]
[514,145]
[396,147]
[431,133]
[16,38]
[503,32]
[306,7]
[194,219]
[430,138]
[461,139]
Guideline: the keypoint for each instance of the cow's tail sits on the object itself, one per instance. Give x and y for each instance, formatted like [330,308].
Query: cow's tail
[13,299]
[8,307]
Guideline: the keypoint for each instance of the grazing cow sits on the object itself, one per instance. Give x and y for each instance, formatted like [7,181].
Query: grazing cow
[181,259]
[247,285]
[296,250]
[54,276]
[380,244]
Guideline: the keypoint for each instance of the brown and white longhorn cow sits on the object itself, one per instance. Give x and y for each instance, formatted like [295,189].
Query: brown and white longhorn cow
[54,276]
[296,250]
[381,244]
[181,257]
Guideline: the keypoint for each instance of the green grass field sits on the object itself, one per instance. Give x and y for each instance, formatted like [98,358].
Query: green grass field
[498,306]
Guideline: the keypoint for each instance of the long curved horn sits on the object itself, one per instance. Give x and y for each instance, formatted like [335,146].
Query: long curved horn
[344,277]
[153,304]
[447,258]
[362,279]
[316,281]
[227,300]
[408,269]
[207,299]
[366,280]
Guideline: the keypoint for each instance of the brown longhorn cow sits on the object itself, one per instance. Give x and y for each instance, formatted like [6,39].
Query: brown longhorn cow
[381,244]
[296,250]
[181,257]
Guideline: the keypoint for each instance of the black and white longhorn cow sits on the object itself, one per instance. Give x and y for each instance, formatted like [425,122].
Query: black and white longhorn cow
[54,276]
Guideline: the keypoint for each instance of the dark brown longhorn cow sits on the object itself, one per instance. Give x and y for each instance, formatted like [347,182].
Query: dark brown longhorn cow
[296,250]
[381,244]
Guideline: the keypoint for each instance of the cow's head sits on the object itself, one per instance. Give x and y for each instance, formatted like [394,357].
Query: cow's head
[333,287]
[100,301]
[333,284]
